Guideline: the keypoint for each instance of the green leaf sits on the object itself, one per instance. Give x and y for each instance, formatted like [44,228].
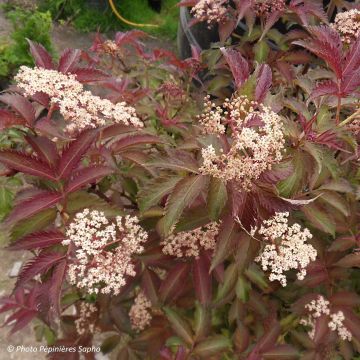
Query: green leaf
[256,276]
[155,190]
[185,192]
[336,201]
[261,50]
[6,201]
[179,325]
[110,343]
[34,223]
[316,152]
[230,277]
[227,234]
[293,183]
[202,321]
[348,261]
[281,352]
[242,289]
[212,345]
[217,198]
[319,218]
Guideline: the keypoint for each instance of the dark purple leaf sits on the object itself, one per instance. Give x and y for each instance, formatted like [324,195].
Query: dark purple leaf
[238,65]
[21,105]
[263,83]
[74,152]
[69,60]
[134,140]
[37,265]
[9,119]
[90,75]
[26,164]
[40,55]
[202,279]
[87,176]
[45,149]
[174,281]
[39,202]
[41,239]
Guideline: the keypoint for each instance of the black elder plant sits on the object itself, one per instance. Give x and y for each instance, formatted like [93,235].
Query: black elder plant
[205,208]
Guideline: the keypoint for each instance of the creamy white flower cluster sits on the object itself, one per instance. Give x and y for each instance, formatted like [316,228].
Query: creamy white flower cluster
[257,141]
[189,243]
[347,23]
[86,322]
[103,250]
[78,106]
[318,307]
[211,11]
[288,249]
[140,316]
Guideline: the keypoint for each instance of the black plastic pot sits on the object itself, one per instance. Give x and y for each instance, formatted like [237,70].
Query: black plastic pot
[198,35]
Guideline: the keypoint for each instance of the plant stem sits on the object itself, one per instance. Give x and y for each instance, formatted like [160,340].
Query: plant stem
[350,118]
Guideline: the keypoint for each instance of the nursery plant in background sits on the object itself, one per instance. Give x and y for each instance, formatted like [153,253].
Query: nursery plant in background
[205,208]
[27,24]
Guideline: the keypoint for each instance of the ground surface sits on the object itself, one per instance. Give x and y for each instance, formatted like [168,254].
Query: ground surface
[63,37]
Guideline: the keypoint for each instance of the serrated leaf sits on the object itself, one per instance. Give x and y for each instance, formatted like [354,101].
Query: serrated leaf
[87,176]
[37,265]
[69,60]
[26,164]
[39,202]
[349,261]
[263,83]
[40,55]
[41,239]
[90,75]
[75,151]
[21,105]
[183,195]
[336,201]
[134,140]
[319,218]
[173,282]
[281,352]
[202,279]
[213,345]
[44,148]
[217,198]
[293,183]
[33,223]
[152,193]
[227,234]
[238,65]
[179,325]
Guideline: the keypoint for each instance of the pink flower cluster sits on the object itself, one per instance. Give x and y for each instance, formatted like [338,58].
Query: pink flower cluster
[86,322]
[257,140]
[347,23]
[80,107]
[211,11]
[319,307]
[103,251]
[287,249]
[266,7]
[140,316]
[189,243]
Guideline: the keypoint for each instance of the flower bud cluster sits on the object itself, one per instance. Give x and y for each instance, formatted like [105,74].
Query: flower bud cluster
[211,11]
[140,316]
[347,23]
[86,322]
